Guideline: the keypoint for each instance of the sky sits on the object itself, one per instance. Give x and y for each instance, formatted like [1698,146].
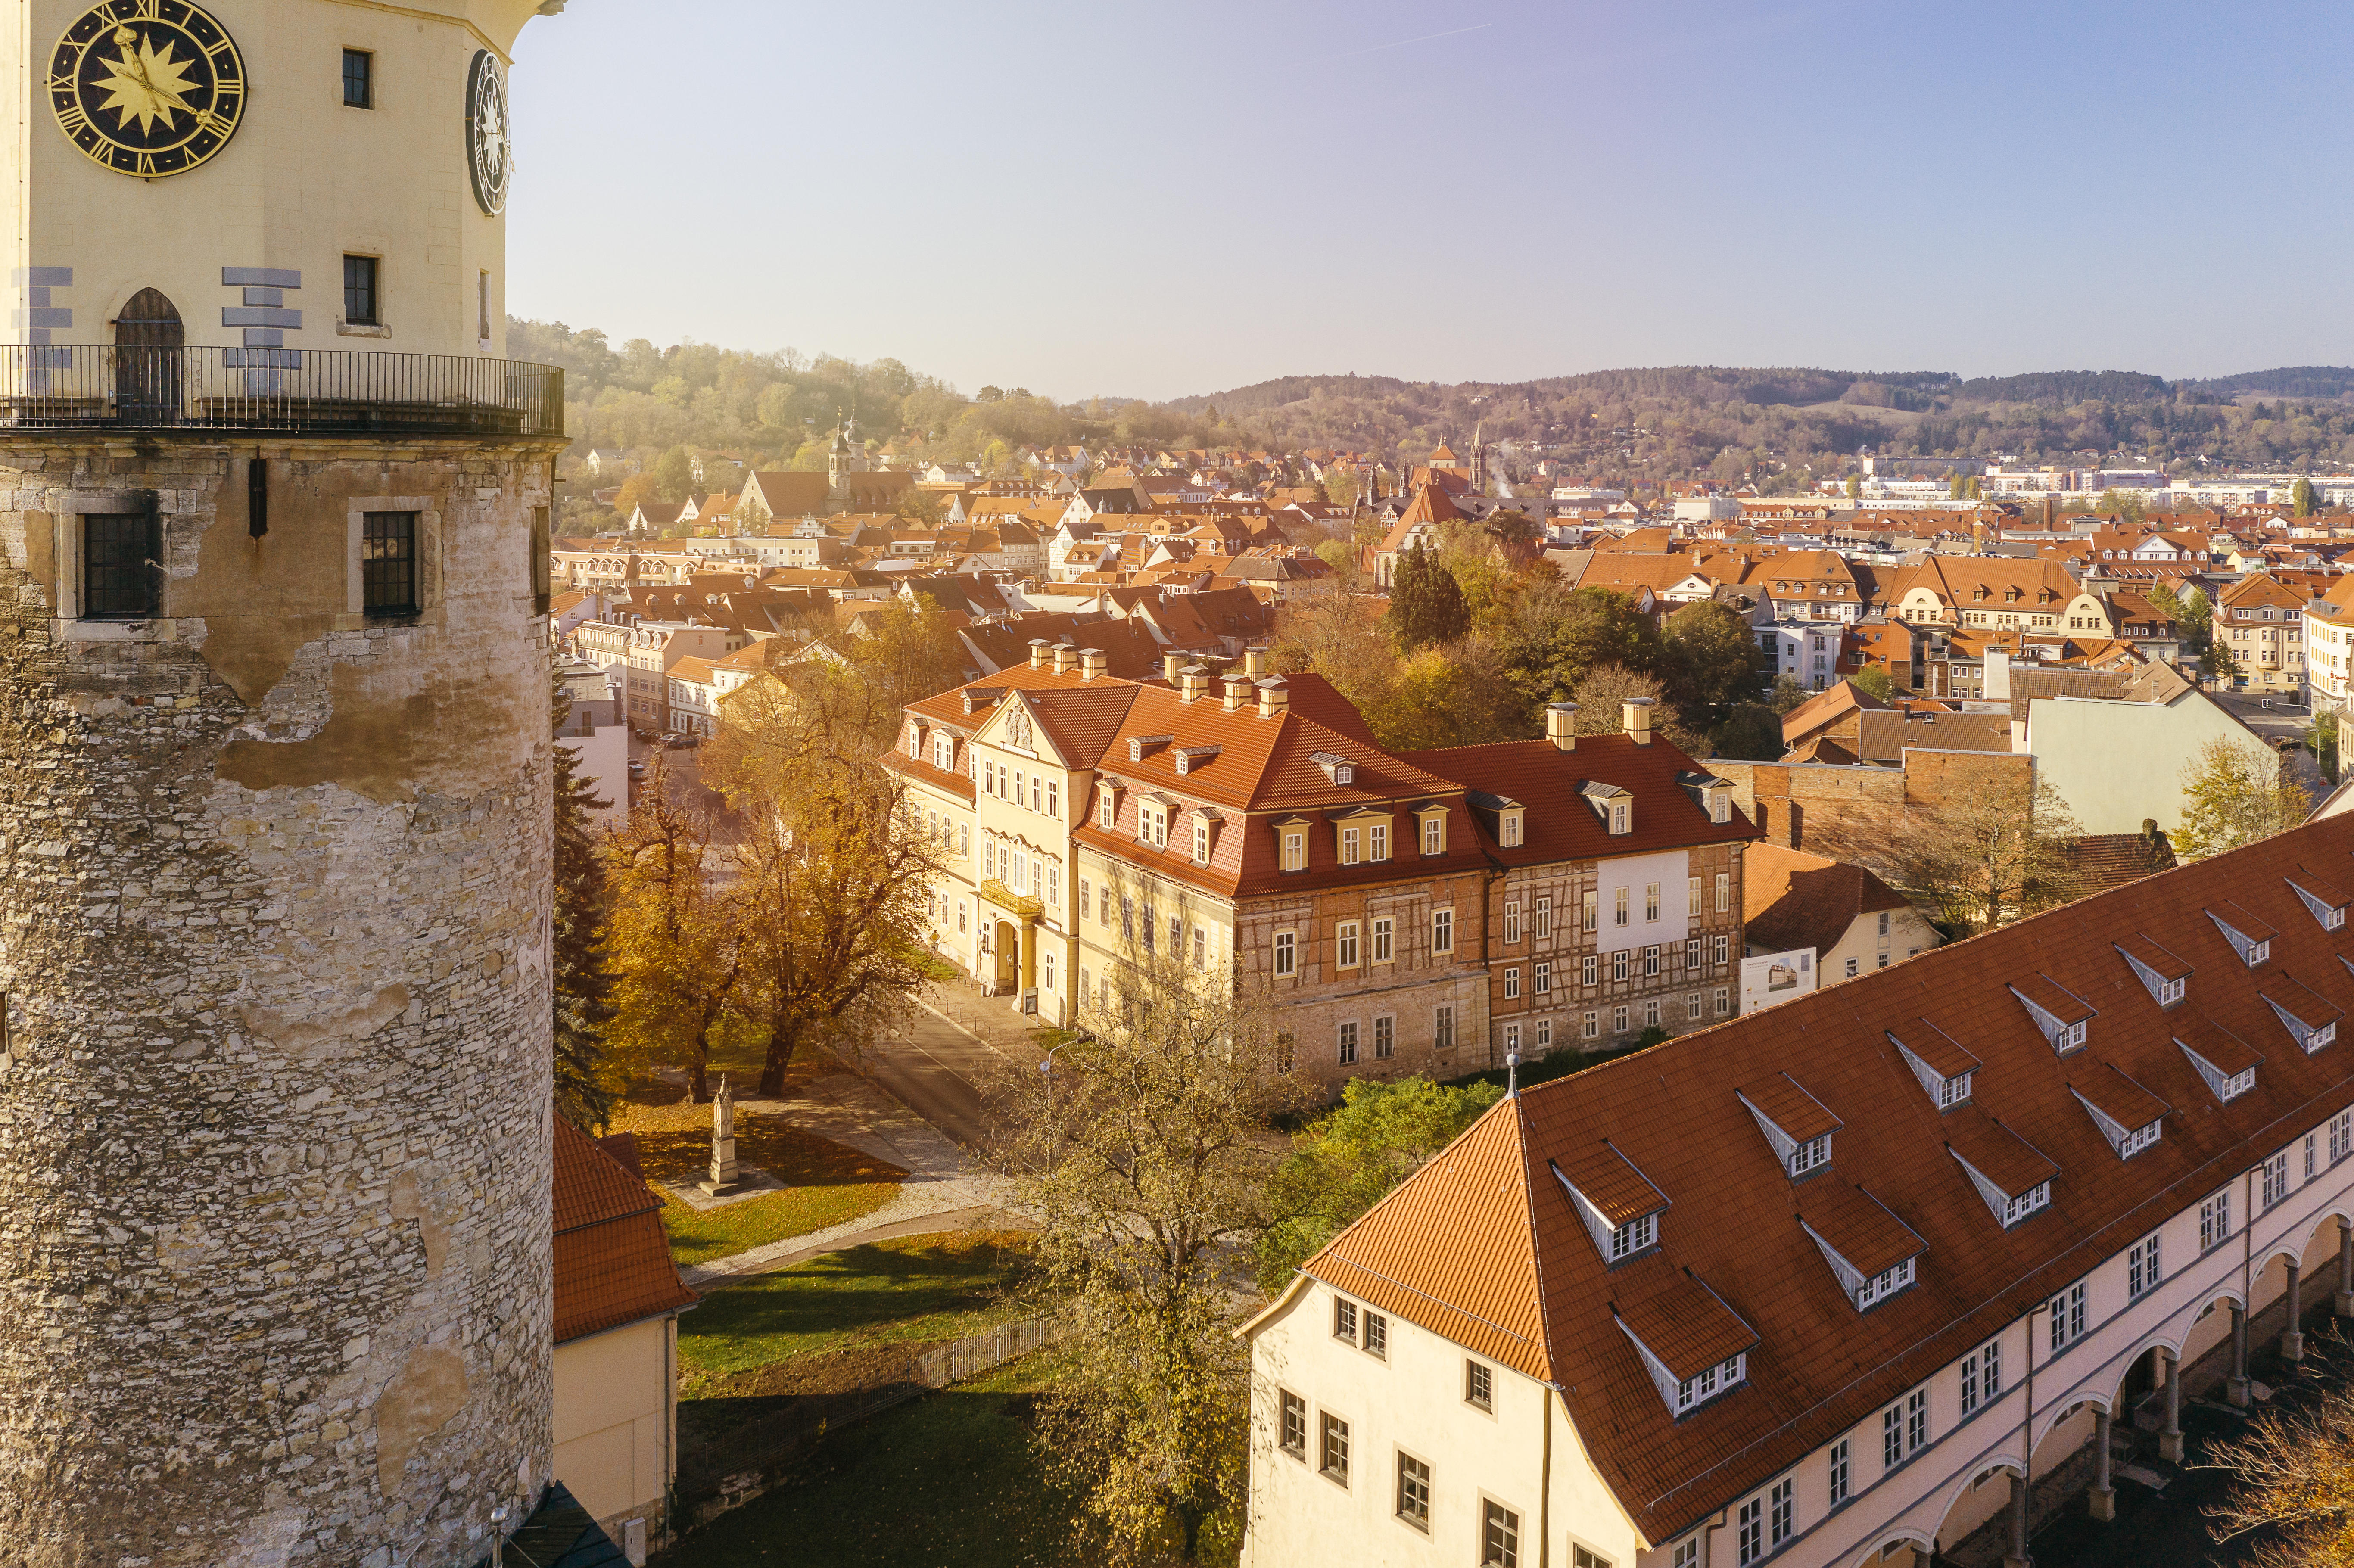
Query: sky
[1162,200]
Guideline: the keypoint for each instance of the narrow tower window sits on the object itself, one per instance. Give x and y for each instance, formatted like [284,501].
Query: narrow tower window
[360,291]
[388,563]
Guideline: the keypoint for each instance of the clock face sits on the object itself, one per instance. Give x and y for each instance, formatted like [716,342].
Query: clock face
[488,156]
[147,87]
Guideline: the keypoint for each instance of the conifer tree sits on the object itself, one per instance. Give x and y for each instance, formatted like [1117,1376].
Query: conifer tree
[582,986]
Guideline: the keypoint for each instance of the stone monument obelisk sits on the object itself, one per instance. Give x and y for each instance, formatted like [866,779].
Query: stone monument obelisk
[723,1142]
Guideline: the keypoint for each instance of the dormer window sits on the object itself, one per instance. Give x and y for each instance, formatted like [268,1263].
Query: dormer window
[1884,1285]
[2163,975]
[1508,828]
[1433,829]
[1797,1125]
[2059,1012]
[1637,1235]
[1620,1208]
[2327,903]
[2310,1022]
[944,753]
[2011,1175]
[914,743]
[1711,1382]
[1937,1060]
[1336,769]
[1140,746]
[1695,1348]
[1189,757]
[2251,938]
[2128,1116]
[1618,818]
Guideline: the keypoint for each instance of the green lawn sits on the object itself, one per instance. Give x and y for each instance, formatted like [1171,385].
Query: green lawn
[948,1480]
[827,1183]
[909,1289]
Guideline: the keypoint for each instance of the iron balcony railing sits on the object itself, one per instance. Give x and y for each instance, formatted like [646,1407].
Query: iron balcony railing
[306,389]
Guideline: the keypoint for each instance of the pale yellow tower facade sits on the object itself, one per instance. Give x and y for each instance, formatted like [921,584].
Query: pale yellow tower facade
[275,1108]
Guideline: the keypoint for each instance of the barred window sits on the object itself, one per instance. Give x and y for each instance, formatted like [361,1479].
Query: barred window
[119,567]
[388,563]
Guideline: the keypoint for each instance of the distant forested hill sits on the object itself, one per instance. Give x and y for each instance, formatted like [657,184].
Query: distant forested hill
[1784,426]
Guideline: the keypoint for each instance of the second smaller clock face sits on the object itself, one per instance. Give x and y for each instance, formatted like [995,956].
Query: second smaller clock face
[147,87]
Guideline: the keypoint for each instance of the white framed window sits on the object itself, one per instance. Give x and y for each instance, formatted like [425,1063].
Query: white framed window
[1442,1028]
[1380,842]
[1810,1154]
[1046,971]
[1294,1439]
[1434,835]
[1749,1532]
[1512,1038]
[1108,815]
[1385,1038]
[1723,947]
[1287,953]
[1633,1236]
[1442,930]
[1589,971]
[1618,961]
[1332,1457]
[2067,1316]
[1512,920]
[1651,1013]
[1692,1007]
[1348,1042]
[1981,1376]
[1853,965]
[1200,842]
[1592,1026]
[1724,1000]
[1778,1513]
[1499,1535]
[1201,948]
[2215,1221]
[2143,1271]
[1544,1032]
[2274,1177]
[1512,982]
[1541,978]
[1691,896]
[1618,817]
[2341,1135]
[1544,919]
[944,753]
[1344,1320]
[1841,1473]
[1687,1553]
[1723,895]
[1054,797]
[1721,1378]
[1651,962]
[1619,909]
[1650,901]
[1905,1428]
[1619,1019]
[1588,904]
[1344,954]
[1884,1285]
[1413,1492]
[1385,939]
[1348,846]
[2170,991]
[1295,850]
[1693,950]
[1953,1091]
[1508,830]
[2139,1138]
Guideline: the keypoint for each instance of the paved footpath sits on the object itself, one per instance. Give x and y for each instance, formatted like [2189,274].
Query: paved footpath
[946,1189]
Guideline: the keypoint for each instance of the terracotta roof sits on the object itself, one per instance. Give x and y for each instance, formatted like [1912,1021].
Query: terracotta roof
[1485,1246]
[1559,824]
[612,1258]
[1826,707]
[1855,1225]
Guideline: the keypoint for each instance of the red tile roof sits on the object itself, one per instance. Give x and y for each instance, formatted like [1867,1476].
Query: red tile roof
[612,1258]
[1790,899]
[1559,824]
[1483,1245]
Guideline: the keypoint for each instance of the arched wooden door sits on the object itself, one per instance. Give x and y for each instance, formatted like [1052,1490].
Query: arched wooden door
[148,362]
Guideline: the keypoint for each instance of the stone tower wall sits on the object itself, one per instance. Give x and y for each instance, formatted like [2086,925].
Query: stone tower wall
[274,1136]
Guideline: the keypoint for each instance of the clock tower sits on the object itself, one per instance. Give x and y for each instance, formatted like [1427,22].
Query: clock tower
[274,791]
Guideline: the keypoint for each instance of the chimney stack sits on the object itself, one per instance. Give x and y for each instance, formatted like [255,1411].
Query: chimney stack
[1274,697]
[1038,646]
[1192,684]
[1255,664]
[1561,726]
[1634,717]
[1170,664]
[1092,662]
[1235,686]
[1066,658]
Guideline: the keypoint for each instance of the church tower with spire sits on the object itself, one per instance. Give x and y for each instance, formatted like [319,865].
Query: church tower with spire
[275,1101]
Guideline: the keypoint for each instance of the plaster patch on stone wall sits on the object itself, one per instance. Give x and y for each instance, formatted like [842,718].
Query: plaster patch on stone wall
[305,1037]
[270,1538]
[428,1394]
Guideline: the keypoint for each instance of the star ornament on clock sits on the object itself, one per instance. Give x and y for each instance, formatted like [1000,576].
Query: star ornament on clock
[148,88]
